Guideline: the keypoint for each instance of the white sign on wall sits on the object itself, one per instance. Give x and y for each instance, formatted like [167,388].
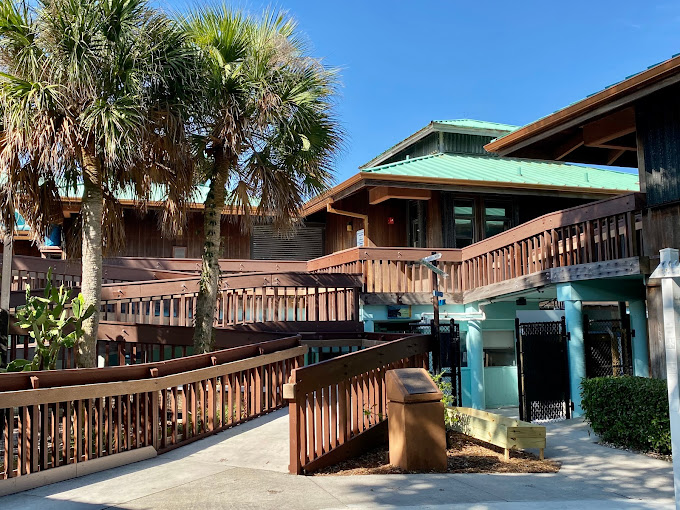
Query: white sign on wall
[360,238]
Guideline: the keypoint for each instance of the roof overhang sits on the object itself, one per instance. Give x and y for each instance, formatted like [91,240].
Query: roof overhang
[72,205]
[432,127]
[599,129]
[370,180]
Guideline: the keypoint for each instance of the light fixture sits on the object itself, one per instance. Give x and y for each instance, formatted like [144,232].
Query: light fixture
[349,226]
[521,301]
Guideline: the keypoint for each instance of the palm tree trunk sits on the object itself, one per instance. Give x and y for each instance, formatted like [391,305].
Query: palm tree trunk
[206,302]
[91,284]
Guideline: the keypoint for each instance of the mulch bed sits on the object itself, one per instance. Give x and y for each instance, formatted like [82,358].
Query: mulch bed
[465,455]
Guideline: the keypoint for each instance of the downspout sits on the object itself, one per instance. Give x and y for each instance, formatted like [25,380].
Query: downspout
[351,214]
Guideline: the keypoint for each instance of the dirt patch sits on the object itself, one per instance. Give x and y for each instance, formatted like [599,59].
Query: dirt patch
[465,455]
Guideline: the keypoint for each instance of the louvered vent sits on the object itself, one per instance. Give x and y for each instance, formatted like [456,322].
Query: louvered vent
[305,244]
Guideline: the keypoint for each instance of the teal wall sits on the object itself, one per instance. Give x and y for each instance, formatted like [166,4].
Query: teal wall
[371,313]
[500,387]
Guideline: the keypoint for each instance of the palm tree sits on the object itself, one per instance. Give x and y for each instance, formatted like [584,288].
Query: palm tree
[266,133]
[92,96]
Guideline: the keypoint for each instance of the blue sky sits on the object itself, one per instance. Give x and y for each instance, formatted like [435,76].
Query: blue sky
[405,63]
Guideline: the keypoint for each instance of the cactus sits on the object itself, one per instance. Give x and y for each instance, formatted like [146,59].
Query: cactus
[50,325]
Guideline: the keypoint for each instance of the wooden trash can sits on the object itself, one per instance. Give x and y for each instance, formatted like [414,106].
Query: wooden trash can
[415,420]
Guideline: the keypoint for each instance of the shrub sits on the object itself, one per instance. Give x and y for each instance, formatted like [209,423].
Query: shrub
[628,411]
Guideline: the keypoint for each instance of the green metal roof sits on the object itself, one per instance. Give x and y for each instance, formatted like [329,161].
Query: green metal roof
[477,124]
[509,170]
[157,194]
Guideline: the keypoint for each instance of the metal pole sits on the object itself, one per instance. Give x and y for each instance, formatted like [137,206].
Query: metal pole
[5,290]
[435,320]
[669,273]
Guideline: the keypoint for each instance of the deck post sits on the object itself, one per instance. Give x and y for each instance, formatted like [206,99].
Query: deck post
[475,353]
[5,291]
[669,273]
[573,314]
[638,325]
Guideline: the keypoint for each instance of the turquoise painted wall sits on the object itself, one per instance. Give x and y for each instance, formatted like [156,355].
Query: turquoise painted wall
[371,313]
[500,387]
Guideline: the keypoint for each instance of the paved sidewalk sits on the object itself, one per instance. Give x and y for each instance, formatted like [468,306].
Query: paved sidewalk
[246,467]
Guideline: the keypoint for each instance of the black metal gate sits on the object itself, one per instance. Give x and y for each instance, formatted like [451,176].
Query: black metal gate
[449,357]
[543,371]
[608,348]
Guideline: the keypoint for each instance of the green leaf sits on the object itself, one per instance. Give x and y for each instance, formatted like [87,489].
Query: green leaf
[17,365]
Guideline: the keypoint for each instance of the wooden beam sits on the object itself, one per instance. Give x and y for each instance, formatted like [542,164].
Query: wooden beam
[615,125]
[614,154]
[569,146]
[381,193]
[351,214]
[617,146]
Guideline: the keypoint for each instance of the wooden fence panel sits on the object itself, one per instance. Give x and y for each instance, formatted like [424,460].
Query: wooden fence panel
[46,427]
[338,404]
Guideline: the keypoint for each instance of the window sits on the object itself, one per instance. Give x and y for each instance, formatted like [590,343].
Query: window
[179,252]
[463,222]
[497,217]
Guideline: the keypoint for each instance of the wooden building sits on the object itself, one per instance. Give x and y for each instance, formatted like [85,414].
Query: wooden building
[439,188]
[633,123]
[144,238]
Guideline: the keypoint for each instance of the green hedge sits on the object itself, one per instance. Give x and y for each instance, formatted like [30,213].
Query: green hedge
[628,411]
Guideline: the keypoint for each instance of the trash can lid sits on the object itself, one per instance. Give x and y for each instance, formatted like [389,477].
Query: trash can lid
[411,385]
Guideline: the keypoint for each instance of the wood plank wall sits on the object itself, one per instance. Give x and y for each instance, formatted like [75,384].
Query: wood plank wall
[144,238]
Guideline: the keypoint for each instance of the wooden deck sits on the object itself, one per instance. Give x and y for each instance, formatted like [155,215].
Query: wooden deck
[597,239]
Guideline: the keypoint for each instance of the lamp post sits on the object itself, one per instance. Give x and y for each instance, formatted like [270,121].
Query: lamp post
[430,262]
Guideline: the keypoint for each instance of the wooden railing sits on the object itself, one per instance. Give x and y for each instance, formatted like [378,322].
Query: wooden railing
[227,266]
[243,299]
[33,271]
[127,344]
[57,418]
[596,232]
[339,406]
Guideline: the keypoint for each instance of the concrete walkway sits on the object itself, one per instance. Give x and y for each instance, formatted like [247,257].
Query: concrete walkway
[246,467]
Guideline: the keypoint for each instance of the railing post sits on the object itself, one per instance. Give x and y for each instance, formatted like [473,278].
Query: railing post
[294,419]
[155,414]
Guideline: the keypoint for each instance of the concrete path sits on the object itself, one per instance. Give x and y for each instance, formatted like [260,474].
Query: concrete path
[246,467]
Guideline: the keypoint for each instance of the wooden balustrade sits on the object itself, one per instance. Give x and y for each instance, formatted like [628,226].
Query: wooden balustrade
[227,266]
[339,406]
[33,271]
[57,418]
[596,232]
[128,344]
[242,299]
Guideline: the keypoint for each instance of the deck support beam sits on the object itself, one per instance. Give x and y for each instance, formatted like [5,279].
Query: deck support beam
[573,314]
[638,324]
[475,353]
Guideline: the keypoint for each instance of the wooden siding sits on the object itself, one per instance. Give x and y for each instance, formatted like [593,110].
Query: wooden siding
[428,145]
[658,125]
[380,233]
[439,222]
[450,142]
[144,238]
